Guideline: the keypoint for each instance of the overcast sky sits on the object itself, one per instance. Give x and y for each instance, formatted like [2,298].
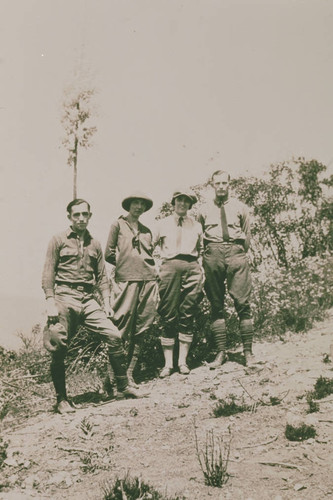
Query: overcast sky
[183,87]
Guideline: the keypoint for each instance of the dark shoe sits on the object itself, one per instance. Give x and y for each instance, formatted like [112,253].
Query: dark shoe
[165,372]
[250,361]
[130,393]
[184,369]
[64,407]
[220,358]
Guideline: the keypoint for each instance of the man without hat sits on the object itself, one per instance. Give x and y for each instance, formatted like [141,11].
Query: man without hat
[74,265]
[129,249]
[179,237]
[226,226]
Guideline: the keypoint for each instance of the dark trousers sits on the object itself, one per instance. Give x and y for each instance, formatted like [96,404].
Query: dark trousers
[180,289]
[80,308]
[226,266]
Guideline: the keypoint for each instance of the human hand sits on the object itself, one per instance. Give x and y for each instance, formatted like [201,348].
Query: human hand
[51,310]
[54,337]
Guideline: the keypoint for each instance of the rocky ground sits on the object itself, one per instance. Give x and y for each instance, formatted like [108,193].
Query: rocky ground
[73,456]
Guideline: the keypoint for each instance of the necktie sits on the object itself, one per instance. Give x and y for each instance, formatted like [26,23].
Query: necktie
[179,234]
[225,232]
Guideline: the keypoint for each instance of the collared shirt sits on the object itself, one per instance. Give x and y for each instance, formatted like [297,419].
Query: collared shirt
[130,251]
[68,260]
[238,221]
[167,232]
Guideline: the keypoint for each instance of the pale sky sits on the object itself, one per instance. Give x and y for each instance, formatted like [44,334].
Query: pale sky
[184,87]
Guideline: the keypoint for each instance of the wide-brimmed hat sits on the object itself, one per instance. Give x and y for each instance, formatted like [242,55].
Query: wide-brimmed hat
[126,203]
[191,197]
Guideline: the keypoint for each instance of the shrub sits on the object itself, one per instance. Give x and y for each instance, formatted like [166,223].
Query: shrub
[132,489]
[300,433]
[313,406]
[323,387]
[3,451]
[225,408]
[214,459]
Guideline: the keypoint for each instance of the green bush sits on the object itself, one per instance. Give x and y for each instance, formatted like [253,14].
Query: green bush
[323,387]
[133,489]
[226,408]
[300,433]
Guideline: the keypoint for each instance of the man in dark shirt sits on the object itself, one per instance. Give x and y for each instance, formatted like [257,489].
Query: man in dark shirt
[226,226]
[74,265]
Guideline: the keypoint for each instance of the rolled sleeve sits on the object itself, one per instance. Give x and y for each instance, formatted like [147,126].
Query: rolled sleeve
[102,278]
[111,245]
[50,267]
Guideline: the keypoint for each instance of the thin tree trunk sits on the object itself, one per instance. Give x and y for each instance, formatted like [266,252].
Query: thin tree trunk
[75,169]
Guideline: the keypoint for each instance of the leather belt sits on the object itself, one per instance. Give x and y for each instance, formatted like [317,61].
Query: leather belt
[81,287]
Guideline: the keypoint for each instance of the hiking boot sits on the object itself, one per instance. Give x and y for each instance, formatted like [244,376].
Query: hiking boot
[250,361]
[184,369]
[131,382]
[64,407]
[165,372]
[130,393]
[220,358]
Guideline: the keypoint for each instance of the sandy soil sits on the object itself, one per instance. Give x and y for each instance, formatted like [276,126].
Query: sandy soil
[72,456]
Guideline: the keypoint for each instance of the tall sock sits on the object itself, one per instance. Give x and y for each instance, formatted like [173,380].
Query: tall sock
[118,363]
[58,376]
[134,360]
[219,332]
[167,346]
[185,341]
[246,331]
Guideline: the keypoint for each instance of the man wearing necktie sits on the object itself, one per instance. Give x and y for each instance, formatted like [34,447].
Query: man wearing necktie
[180,280]
[226,226]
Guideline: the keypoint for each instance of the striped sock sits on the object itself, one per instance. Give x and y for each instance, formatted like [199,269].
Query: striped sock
[220,334]
[246,331]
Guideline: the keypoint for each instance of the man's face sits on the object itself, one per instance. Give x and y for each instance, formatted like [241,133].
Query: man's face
[182,205]
[79,217]
[221,185]
[137,207]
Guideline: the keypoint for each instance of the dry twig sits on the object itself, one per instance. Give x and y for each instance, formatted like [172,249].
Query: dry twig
[281,464]
[258,444]
[77,450]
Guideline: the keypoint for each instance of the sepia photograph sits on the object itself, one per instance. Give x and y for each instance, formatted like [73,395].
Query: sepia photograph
[166,281]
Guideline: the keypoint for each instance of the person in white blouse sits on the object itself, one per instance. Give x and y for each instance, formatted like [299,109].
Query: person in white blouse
[180,239]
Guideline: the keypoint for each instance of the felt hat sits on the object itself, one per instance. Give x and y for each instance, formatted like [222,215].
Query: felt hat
[191,197]
[137,195]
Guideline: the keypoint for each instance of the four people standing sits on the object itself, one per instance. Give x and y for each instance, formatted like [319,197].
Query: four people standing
[74,265]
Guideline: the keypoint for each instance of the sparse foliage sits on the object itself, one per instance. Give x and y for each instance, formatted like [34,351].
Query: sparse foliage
[77,113]
[300,433]
[214,458]
[226,408]
[133,489]
[323,387]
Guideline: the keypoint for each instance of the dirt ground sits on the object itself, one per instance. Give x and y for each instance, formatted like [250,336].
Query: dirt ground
[73,456]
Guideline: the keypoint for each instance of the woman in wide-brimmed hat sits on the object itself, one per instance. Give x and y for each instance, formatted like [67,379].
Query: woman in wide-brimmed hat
[129,249]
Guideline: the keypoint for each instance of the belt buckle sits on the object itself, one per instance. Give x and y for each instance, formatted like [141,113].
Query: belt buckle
[80,288]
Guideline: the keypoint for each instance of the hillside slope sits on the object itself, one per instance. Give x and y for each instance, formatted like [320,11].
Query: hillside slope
[72,456]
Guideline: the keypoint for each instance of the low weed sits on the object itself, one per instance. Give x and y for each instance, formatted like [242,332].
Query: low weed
[313,406]
[214,459]
[3,451]
[133,489]
[323,387]
[300,433]
[87,428]
[224,408]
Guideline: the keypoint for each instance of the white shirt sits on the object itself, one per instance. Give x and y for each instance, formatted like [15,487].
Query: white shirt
[174,240]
